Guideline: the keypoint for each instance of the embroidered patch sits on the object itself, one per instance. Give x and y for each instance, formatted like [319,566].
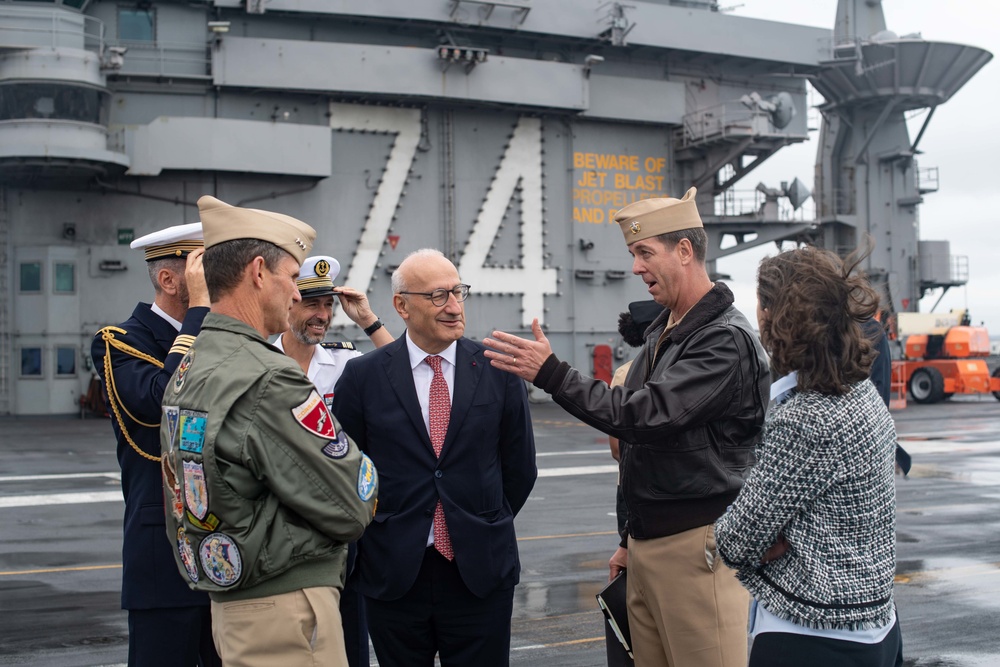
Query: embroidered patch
[209,524]
[192,430]
[314,417]
[171,413]
[328,401]
[182,370]
[220,559]
[195,490]
[186,552]
[367,478]
[173,488]
[337,449]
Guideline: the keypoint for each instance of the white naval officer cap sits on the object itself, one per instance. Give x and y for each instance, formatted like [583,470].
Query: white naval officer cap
[176,241]
[316,276]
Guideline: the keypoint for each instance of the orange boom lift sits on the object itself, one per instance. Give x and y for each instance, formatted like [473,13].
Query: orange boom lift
[943,355]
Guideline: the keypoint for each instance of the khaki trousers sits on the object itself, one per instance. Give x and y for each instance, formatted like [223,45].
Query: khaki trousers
[297,629]
[685,607]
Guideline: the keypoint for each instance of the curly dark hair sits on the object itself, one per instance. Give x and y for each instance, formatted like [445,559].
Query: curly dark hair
[815,303]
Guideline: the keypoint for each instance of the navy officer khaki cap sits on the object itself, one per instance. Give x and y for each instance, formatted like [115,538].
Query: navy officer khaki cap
[176,241]
[316,276]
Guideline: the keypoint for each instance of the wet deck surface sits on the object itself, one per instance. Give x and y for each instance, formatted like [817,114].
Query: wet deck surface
[60,563]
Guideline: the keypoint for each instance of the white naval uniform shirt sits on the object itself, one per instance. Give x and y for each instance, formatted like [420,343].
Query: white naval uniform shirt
[325,368]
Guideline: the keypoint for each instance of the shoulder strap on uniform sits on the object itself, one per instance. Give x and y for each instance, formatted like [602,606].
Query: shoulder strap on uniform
[340,345]
[107,334]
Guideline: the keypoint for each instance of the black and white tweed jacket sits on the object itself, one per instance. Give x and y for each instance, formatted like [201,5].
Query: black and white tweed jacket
[824,480]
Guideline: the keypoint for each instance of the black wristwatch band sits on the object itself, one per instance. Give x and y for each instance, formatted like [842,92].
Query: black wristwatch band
[373,327]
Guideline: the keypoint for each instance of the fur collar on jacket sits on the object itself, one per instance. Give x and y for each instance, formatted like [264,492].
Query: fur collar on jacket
[715,302]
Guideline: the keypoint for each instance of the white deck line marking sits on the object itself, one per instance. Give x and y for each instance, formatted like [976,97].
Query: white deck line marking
[116,496]
[62,499]
[579,470]
[576,452]
[70,475]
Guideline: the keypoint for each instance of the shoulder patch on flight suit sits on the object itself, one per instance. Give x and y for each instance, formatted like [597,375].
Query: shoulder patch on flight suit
[172,413]
[340,345]
[313,416]
[182,370]
[195,489]
[186,552]
[367,478]
[337,448]
[220,559]
[192,430]
[173,487]
[209,524]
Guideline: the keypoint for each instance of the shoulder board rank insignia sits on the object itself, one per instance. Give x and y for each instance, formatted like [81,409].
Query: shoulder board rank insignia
[340,345]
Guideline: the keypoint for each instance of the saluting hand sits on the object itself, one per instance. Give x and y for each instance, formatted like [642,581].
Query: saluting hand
[194,275]
[519,356]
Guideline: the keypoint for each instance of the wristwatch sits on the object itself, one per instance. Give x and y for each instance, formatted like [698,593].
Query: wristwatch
[373,327]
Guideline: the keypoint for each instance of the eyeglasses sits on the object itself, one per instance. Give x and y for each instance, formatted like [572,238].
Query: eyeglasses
[439,297]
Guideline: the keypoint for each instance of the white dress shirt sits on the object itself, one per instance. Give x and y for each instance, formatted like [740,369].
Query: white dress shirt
[325,368]
[162,313]
[422,376]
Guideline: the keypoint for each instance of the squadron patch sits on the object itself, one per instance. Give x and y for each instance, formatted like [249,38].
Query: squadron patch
[192,430]
[171,414]
[313,416]
[208,524]
[182,370]
[173,488]
[367,478]
[220,559]
[195,489]
[338,448]
[186,552]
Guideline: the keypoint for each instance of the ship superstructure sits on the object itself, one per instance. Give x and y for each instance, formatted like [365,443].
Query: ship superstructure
[504,133]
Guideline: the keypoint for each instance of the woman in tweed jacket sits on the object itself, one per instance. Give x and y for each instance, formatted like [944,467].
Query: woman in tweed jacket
[812,533]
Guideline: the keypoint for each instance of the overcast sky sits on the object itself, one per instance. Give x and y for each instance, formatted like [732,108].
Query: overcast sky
[962,140]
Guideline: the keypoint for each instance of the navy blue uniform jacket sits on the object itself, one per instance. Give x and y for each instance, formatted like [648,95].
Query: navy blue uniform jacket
[150,579]
[483,477]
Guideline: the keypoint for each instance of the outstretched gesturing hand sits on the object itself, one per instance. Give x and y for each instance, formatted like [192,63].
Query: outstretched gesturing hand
[519,356]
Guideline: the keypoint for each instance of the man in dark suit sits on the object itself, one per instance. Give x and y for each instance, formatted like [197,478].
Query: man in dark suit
[451,438]
[168,624]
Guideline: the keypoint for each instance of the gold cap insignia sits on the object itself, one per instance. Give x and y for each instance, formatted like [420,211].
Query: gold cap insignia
[322,268]
[647,218]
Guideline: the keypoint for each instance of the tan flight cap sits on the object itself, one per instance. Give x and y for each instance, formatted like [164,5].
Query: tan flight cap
[651,217]
[222,222]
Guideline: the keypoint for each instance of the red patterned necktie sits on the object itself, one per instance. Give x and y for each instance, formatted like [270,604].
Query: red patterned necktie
[439,412]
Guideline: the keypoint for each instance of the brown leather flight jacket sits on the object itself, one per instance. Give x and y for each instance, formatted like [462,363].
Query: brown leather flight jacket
[688,418]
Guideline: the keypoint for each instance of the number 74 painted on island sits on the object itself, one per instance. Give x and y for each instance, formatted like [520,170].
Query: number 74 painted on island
[521,164]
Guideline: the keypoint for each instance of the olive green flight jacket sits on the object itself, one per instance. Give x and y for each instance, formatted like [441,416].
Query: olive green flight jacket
[262,488]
